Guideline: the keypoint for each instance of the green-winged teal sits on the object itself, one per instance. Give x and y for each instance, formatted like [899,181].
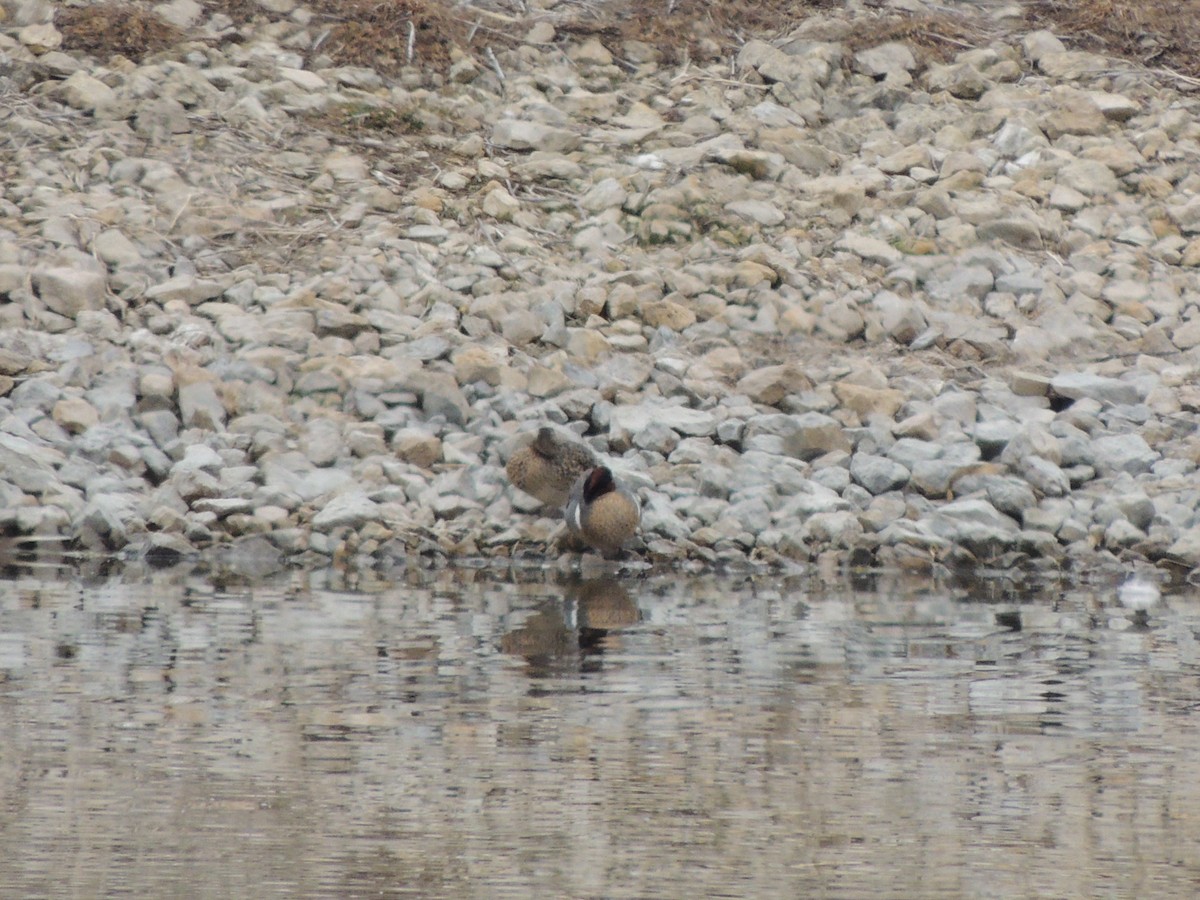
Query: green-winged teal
[601,512]
[548,466]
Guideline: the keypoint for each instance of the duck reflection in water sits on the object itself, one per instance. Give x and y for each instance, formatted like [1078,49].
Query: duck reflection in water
[574,634]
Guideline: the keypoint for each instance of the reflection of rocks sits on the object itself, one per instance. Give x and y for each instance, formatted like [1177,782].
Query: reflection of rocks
[604,603]
[543,636]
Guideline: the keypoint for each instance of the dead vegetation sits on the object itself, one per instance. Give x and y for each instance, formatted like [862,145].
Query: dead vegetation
[389,35]
[110,29]
[1154,33]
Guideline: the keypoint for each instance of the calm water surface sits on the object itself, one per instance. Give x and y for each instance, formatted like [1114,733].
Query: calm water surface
[487,733]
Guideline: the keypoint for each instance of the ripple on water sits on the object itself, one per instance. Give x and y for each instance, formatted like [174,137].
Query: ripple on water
[489,733]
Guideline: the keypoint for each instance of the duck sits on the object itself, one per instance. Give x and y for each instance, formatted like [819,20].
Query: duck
[601,512]
[548,467]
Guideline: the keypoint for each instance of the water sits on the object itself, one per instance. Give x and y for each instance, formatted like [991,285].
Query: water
[481,733]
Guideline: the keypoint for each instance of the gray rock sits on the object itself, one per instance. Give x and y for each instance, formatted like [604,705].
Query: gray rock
[108,521]
[115,249]
[758,211]
[892,60]
[1137,508]
[291,473]
[915,534]
[1012,496]
[515,134]
[1109,391]
[935,477]
[658,517]
[1032,441]
[200,406]
[1072,64]
[1186,548]
[428,348]
[900,318]
[994,435]
[870,249]
[1123,453]
[1090,178]
[909,451]
[1016,139]
[1038,44]
[186,287]
[657,437]
[809,499]
[441,396]
[815,434]
[687,421]
[347,510]
[322,442]
[69,291]
[877,474]
[838,528]
[88,93]
[973,522]
[1045,477]
[834,478]
[333,357]
[970,283]
[1019,232]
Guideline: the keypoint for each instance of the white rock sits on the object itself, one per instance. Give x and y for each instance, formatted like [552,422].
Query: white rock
[40,37]
[68,291]
[869,248]
[85,92]
[515,134]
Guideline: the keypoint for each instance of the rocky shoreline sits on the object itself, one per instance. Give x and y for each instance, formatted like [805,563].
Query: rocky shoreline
[811,301]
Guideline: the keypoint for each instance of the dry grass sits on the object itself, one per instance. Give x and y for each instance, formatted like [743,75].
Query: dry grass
[391,34]
[115,28]
[1157,33]
[386,35]
[697,30]
[378,33]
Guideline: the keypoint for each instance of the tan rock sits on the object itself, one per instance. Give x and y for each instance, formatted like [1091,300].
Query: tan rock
[413,445]
[770,384]
[75,414]
[40,38]
[428,198]
[868,401]
[546,382]
[586,345]
[590,300]
[667,314]
[797,320]
[500,204]
[750,274]
[725,361]
[473,363]
[590,53]
[923,426]
[1029,384]
[540,33]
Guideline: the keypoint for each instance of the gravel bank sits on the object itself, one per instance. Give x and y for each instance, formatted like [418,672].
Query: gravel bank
[808,300]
